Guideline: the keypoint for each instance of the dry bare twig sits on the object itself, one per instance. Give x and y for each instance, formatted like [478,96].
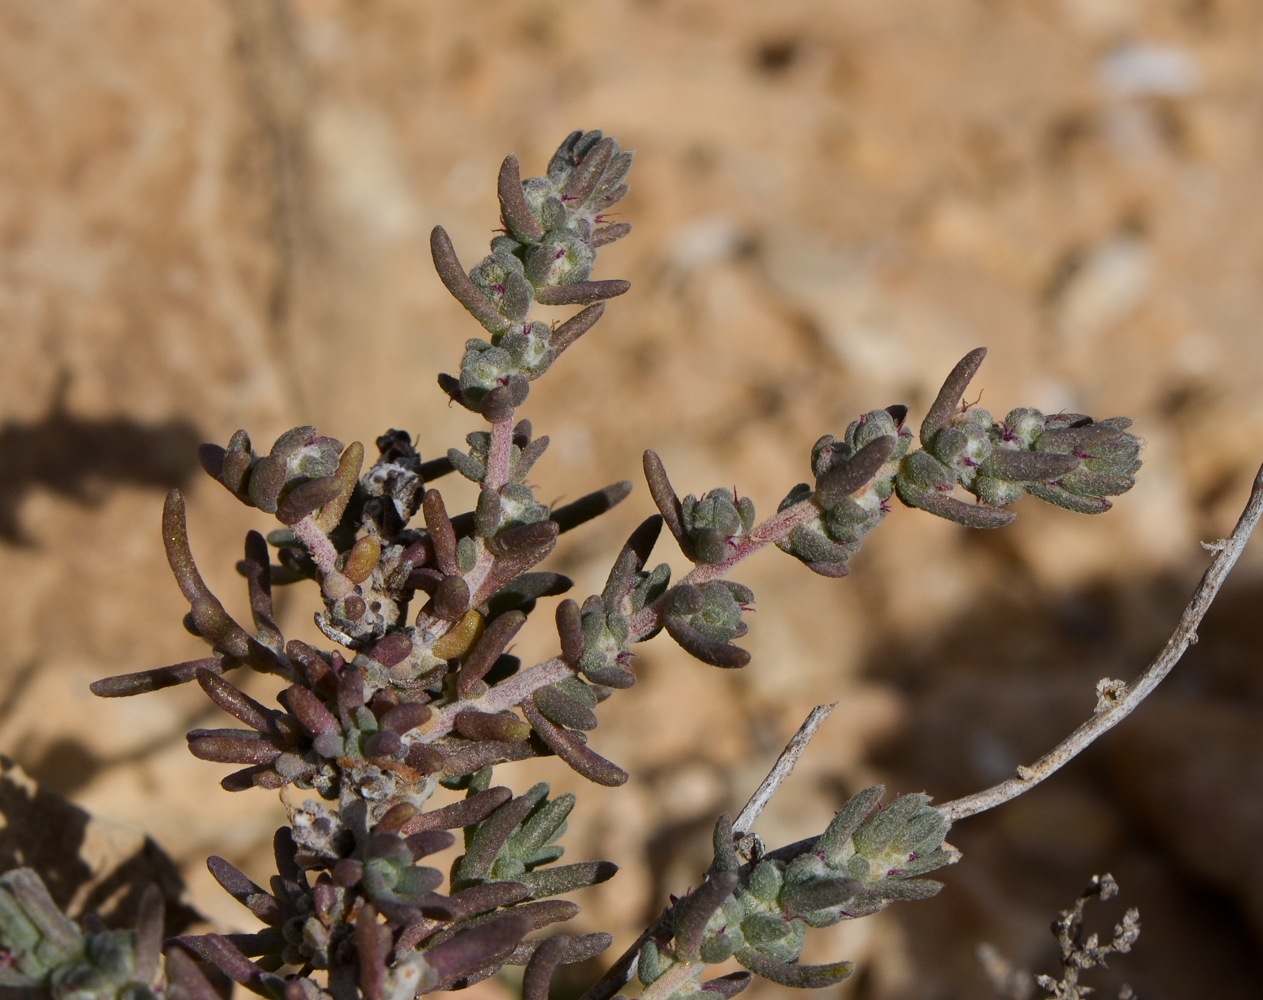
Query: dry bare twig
[1115,699]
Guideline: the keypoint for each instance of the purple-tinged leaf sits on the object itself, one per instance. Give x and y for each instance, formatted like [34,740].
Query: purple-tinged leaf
[269,941]
[949,396]
[212,621]
[489,896]
[425,758]
[726,987]
[667,502]
[426,580]
[468,811]
[451,598]
[717,654]
[442,536]
[185,981]
[490,836]
[567,746]
[1070,501]
[524,538]
[218,951]
[581,292]
[591,505]
[144,681]
[233,750]
[463,290]
[428,842]
[497,405]
[575,327]
[488,649]
[406,717]
[314,668]
[608,234]
[149,933]
[854,473]
[946,506]
[236,702]
[479,947]
[539,970]
[582,948]
[384,745]
[256,899]
[211,456]
[833,570]
[350,693]
[570,629]
[514,212]
[726,859]
[559,707]
[285,851]
[693,913]
[372,941]
[240,781]
[509,567]
[583,179]
[259,578]
[803,977]
[393,649]
[307,498]
[311,711]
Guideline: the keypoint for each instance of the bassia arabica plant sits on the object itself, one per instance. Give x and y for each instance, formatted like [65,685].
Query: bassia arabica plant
[417,690]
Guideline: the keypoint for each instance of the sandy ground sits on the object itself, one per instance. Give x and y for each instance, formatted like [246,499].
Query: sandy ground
[214,215]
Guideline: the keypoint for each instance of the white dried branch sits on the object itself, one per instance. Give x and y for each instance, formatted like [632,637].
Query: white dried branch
[780,770]
[1116,701]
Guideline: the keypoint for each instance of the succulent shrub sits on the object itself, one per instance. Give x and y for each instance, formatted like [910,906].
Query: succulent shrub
[416,688]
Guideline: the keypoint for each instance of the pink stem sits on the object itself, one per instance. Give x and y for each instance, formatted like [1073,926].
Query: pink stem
[772,530]
[499,453]
[332,582]
[506,694]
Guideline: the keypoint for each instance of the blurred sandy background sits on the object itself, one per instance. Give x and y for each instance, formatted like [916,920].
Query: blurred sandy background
[213,214]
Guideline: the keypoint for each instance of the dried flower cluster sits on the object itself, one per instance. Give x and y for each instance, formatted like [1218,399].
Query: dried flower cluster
[407,700]
[1077,953]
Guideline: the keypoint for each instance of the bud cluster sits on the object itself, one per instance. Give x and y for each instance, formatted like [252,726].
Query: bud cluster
[553,226]
[714,522]
[759,912]
[1066,459]
[854,479]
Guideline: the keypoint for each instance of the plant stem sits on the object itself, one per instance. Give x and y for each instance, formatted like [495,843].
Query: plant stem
[649,619]
[325,556]
[768,533]
[506,694]
[1123,699]
[499,453]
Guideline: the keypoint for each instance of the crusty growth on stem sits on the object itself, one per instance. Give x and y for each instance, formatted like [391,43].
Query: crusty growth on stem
[419,686]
